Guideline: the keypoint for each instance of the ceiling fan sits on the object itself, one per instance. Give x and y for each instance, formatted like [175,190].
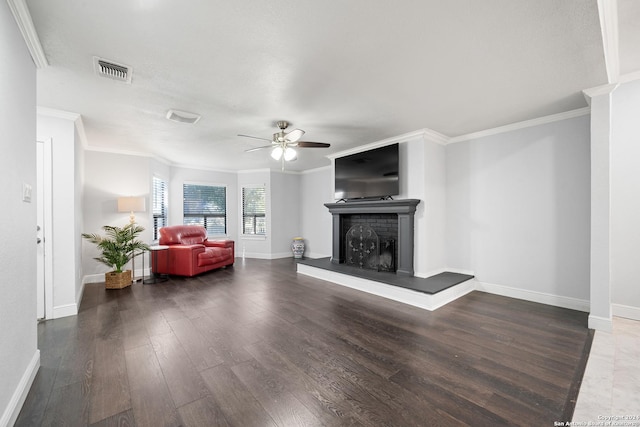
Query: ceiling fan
[282,143]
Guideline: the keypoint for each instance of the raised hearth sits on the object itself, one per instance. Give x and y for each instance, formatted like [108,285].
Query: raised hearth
[428,293]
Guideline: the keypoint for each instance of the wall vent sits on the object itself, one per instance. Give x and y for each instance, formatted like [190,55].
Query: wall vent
[112,70]
[182,116]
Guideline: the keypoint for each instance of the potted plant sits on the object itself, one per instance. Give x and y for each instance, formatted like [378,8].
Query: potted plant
[118,247]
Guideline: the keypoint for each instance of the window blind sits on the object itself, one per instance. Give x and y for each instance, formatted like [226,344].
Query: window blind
[254,211]
[159,205]
[207,206]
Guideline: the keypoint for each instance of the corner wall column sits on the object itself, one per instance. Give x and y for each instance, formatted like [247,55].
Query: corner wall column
[600,317]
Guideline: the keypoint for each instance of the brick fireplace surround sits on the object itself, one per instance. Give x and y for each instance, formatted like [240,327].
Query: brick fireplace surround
[404,209]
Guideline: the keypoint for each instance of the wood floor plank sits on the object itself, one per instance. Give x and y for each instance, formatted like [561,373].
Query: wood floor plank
[283,406]
[110,385]
[325,403]
[197,346]
[227,347]
[123,419]
[181,376]
[238,405]
[202,413]
[68,406]
[150,399]
[134,332]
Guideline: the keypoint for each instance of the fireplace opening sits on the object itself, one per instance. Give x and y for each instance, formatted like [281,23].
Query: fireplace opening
[387,255]
[364,249]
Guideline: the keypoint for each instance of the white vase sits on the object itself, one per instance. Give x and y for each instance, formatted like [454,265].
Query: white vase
[297,247]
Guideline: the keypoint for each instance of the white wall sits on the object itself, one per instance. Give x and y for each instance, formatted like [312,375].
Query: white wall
[518,210]
[66,212]
[109,176]
[316,189]
[19,358]
[284,212]
[625,201]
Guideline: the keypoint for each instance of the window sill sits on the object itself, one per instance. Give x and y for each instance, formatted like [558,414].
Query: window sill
[253,237]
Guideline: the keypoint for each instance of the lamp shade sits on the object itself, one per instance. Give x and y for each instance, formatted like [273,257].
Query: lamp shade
[131,204]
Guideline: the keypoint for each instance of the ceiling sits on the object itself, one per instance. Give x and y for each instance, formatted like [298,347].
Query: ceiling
[347,72]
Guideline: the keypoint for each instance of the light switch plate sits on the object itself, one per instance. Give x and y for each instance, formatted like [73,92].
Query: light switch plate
[26,193]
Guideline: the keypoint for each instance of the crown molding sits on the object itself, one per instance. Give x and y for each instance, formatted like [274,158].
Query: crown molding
[599,90]
[630,77]
[425,134]
[608,12]
[203,168]
[261,170]
[522,125]
[57,114]
[25,23]
[433,136]
[67,115]
[315,170]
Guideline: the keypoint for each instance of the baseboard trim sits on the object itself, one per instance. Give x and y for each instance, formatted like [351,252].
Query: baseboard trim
[12,410]
[626,311]
[533,296]
[601,323]
[258,255]
[314,255]
[80,293]
[65,310]
[93,278]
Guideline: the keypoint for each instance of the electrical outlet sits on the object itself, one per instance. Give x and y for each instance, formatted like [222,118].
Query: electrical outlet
[26,193]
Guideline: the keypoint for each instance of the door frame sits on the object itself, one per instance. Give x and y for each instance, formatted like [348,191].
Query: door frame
[45,172]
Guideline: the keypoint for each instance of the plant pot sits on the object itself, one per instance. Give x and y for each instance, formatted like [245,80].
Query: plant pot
[115,280]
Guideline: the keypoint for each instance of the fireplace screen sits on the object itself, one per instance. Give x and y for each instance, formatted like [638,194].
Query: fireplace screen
[362,246]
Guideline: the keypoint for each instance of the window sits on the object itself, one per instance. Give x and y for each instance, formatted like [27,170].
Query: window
[159,205]
[254,211]
[206,205]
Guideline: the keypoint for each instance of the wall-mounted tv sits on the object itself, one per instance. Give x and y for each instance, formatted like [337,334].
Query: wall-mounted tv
[369,174]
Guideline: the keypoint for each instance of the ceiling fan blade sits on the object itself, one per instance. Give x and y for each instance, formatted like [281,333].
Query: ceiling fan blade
[309,144]
[258,148]
[294,135]
[254,137]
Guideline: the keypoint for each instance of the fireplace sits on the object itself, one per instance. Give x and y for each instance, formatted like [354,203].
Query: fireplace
[391,221]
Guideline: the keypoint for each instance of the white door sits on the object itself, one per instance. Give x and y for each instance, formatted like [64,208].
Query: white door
[44,266]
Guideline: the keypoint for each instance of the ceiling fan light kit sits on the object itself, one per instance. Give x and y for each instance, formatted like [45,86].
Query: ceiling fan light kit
[277,153]
[282,143]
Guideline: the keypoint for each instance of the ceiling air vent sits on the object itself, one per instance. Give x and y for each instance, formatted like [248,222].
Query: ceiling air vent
[182,116]
[112,70]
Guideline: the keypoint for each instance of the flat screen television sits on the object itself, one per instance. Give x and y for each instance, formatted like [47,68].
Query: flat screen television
[367,175]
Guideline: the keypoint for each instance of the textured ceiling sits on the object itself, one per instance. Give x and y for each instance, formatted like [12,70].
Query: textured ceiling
[347,72]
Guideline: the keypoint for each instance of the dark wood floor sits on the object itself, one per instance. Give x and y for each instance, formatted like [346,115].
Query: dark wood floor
[259,345]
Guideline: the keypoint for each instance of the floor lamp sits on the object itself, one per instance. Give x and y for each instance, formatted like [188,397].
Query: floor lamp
[131,205]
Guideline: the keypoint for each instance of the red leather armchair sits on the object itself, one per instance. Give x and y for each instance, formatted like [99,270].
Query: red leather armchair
[190,252]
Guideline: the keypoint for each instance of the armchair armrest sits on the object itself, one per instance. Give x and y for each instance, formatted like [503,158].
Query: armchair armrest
[219,243]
